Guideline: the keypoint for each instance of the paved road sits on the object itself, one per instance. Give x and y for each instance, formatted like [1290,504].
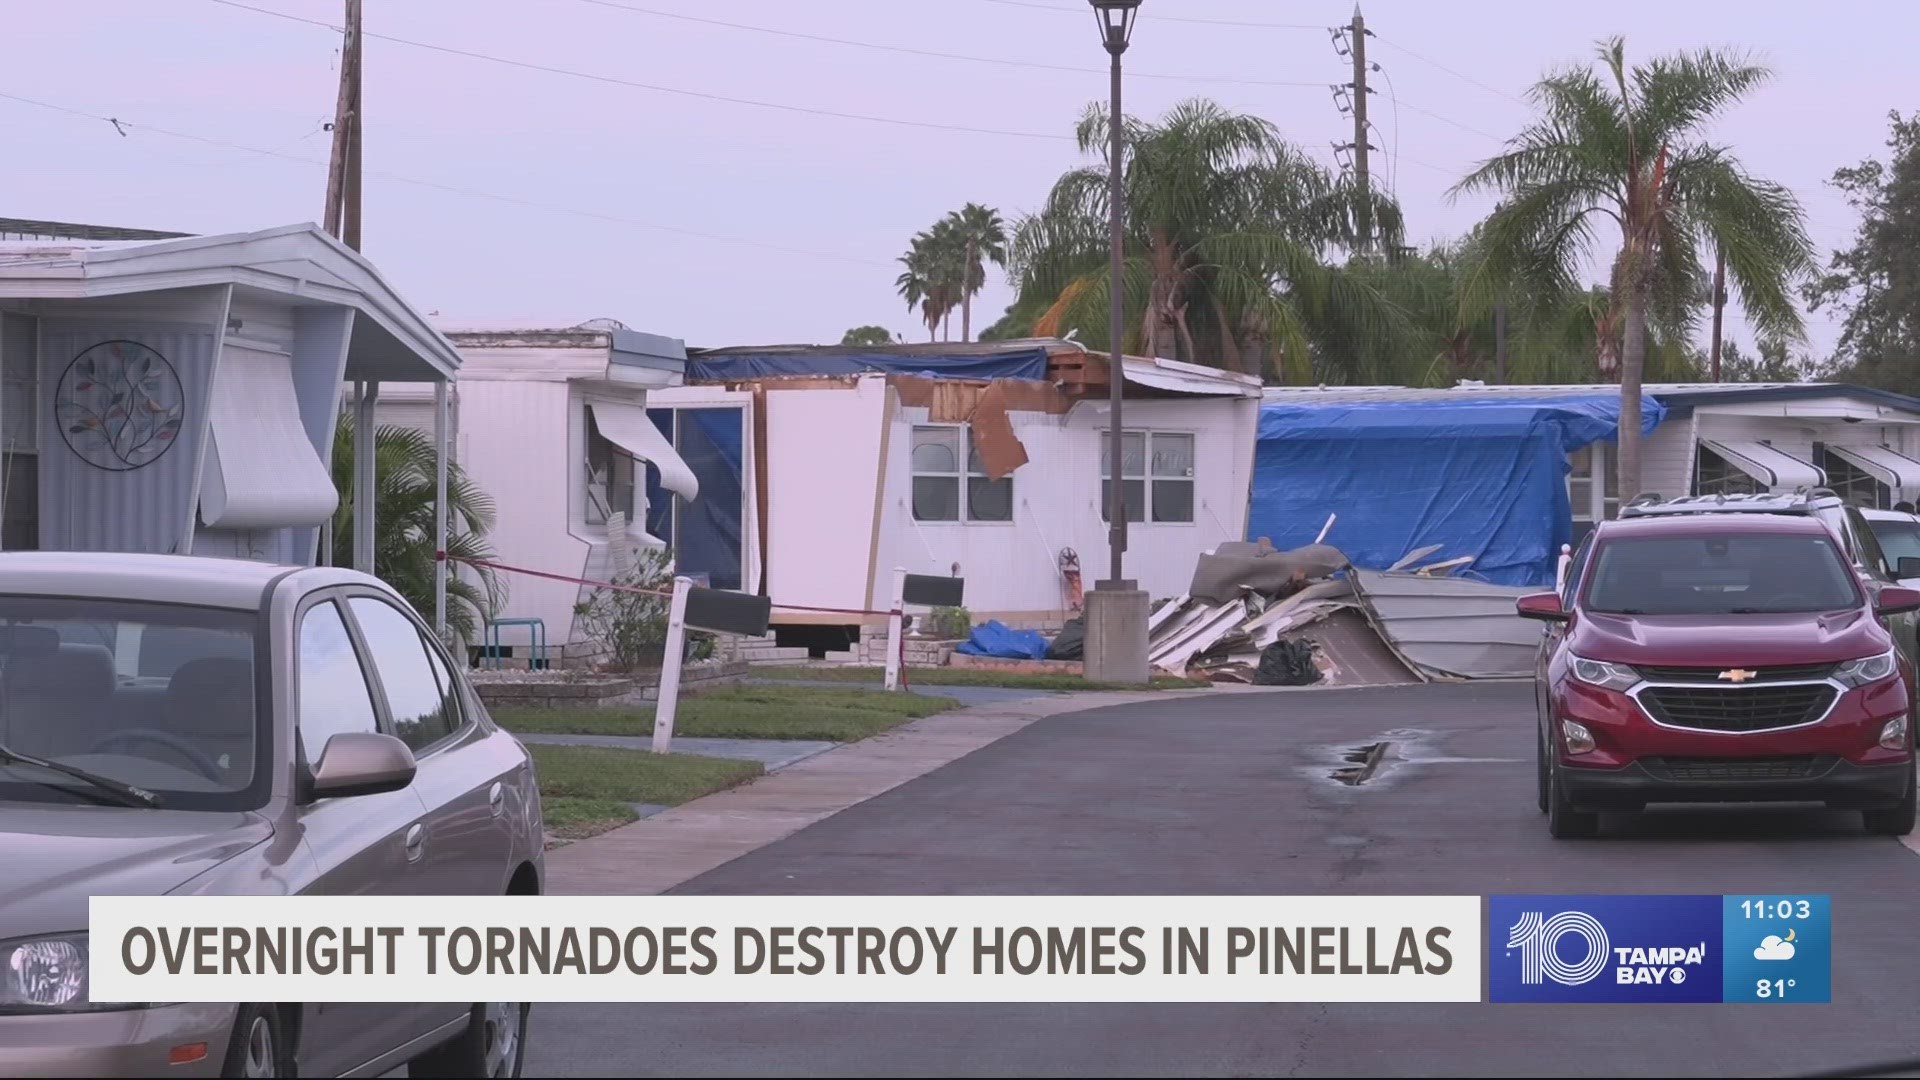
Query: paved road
[1229,794]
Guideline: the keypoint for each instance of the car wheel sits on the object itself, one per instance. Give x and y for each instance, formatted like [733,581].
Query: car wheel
[1564,820]
[1540,762]
[493,1045]
[1895,820]
[259,1045]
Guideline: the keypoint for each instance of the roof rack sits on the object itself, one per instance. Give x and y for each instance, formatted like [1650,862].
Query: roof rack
[1803,500]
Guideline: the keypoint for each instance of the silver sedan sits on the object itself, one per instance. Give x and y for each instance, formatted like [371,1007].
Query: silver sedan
[174,725]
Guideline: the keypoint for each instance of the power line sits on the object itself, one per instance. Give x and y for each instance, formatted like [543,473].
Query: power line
[910,51]
[656,88]
[1172,18]
[128,125]
[1450,71]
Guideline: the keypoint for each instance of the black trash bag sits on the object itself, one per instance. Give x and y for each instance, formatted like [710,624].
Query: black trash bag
[1287,663]
[1070,643]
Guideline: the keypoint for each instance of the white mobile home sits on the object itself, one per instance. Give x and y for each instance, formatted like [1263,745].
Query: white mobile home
[552,424]
[981,461]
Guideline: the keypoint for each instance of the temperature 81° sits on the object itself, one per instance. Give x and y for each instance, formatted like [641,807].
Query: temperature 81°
[1773,988]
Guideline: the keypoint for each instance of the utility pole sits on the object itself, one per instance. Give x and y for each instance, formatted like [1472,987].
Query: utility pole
[1500,341]
[1719,304]
[342,217]
[1358,35]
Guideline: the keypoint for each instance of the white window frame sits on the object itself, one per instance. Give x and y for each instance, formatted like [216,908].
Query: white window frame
[595,498]
[964,477]
[1147,476]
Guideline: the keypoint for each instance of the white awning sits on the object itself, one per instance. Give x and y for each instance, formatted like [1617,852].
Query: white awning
[628,427]
[1896,470]
[261,469]
[1772,468]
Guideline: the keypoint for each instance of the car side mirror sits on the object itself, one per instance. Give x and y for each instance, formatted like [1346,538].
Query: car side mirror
[1907,567]
[1544,606]
[369,763]
[1896,600]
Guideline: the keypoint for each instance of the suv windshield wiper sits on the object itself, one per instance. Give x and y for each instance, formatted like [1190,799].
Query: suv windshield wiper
[125,792]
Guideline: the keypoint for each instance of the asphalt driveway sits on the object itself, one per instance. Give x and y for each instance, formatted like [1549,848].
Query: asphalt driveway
[1232,793]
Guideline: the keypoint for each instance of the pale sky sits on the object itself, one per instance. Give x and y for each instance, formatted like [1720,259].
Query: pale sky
[531,194]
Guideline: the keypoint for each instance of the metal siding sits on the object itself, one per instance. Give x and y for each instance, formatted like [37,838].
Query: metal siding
[84,508]
[523,457]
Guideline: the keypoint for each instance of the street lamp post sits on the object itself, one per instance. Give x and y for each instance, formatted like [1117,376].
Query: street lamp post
[1116,626]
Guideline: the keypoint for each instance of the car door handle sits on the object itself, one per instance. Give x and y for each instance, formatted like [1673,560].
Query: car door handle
[416,843]
[497,798]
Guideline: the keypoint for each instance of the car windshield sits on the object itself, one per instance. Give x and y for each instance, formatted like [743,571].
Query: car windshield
[1900,539]
[159,696]
[1720,575]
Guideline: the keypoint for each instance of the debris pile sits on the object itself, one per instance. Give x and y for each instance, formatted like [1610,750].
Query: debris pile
[1254,614]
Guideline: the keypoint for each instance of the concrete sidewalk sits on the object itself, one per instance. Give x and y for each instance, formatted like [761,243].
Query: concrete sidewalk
[653,855]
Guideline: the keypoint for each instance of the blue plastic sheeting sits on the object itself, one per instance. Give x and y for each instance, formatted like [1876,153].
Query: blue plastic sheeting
[1480,478]
[1011,364]
[704,533]
[994,638]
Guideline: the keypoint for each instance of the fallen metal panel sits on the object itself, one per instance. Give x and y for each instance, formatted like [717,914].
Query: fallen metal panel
[1173,654]
[1450,627]
[1354,653]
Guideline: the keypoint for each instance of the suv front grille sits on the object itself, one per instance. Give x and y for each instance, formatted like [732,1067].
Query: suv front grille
[1774,768]
[1742,709]
[1775,673]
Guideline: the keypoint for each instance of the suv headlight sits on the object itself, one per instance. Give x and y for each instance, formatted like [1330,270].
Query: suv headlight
[1601,673]
[47,974]
[1867,669]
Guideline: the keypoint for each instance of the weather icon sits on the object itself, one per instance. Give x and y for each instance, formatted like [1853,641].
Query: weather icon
[1775,947]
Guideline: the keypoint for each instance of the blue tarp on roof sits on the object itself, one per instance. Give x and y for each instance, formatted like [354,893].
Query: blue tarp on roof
[1007,364]
[1481,478]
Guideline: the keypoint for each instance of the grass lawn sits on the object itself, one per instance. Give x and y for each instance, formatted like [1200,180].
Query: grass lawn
[745,712]
[947,676]
[585,789]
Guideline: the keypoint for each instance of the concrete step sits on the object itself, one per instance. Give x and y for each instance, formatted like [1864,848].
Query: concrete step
[757,653]
[784,661]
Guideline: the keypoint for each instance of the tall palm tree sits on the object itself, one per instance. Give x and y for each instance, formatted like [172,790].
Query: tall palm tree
[983,239]
[1228,229]
[403,554]
[1630,145]
[932,275]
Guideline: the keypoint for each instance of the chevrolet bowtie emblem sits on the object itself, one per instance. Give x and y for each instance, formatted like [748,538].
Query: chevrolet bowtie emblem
[1738,675]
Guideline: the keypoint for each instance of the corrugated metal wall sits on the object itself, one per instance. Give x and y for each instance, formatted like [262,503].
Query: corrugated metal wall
[86,508]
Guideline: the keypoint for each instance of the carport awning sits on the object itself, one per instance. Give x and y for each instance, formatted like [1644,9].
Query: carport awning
[1894,469]
[1772,468]
[628,427]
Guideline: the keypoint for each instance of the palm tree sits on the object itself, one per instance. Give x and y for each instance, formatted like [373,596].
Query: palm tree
[1228,227]
[931,278]
[403,554]
[983,238]
[1631,147]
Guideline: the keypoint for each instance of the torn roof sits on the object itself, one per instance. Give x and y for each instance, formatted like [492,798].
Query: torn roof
[1064,363]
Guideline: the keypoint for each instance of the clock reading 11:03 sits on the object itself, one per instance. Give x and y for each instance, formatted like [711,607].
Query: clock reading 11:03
[1775,909]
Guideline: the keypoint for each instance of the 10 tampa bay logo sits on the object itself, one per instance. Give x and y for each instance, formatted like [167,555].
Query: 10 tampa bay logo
[1604,948]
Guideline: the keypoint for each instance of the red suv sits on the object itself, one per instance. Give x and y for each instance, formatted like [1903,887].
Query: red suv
[1693,655]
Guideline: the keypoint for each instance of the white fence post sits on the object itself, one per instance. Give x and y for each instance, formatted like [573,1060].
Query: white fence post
[894,628]
[663,709]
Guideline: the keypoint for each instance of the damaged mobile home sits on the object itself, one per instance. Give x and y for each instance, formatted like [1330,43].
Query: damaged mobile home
[981,461]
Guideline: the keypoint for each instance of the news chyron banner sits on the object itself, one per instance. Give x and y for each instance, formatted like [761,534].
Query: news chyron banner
[787,948]
[1616,948]
[1552,949]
